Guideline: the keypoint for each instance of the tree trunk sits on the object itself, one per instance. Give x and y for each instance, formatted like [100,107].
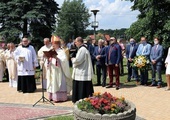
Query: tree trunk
[25,32]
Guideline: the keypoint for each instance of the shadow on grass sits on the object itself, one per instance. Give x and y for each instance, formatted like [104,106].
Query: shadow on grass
[128,86]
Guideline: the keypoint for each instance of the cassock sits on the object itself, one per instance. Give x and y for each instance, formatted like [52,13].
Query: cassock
[2,64]
[26,62]
[43,63]
[59,81]
[82,75]
[12,68]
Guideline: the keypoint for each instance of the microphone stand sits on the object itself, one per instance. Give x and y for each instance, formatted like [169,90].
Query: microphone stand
[43,98]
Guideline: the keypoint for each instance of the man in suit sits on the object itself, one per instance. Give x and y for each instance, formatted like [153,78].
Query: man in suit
[156,62]
[120,42]
[144,49]
[90,48]
[113,56]
[99,55]
[131,49]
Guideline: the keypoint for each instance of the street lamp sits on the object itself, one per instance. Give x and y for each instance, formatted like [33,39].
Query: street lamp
[95,23]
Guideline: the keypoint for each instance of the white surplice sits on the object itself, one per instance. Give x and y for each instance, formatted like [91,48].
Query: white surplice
[2,63]
[55,74]
[43,62]
[12,68]
[26,67]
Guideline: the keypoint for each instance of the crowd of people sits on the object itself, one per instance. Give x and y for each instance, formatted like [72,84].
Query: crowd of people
[108,57]
[86,58]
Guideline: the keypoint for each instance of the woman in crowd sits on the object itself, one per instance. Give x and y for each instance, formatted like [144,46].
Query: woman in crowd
[2,62]
[167,65]
[11,65]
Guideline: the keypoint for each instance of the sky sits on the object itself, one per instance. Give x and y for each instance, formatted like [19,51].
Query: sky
[113,14]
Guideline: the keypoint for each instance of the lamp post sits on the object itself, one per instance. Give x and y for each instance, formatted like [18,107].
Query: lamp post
[95,23]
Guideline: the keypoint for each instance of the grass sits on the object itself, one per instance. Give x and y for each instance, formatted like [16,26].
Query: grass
[70,117]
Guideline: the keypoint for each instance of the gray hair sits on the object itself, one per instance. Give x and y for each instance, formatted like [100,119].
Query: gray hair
[47,39]
[100,40]
[132,39]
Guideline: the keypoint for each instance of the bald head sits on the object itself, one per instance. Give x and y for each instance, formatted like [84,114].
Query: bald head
[46,41]
[79,41]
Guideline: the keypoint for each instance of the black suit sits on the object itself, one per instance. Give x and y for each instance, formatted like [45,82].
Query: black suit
[100,64]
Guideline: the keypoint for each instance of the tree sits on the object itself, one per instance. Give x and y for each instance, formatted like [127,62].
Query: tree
[153,20]
[27,17]
[72,20]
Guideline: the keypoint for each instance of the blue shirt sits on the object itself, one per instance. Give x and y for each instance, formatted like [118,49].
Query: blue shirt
[144,49]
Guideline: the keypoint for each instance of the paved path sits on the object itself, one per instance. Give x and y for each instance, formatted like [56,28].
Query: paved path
[151,103]
[23,111]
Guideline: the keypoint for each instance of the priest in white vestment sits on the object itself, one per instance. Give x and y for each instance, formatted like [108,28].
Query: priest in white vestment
[26,58]
[82,72]
[6,75]
[59,81]
[43,60]
[11,65]
[2,63]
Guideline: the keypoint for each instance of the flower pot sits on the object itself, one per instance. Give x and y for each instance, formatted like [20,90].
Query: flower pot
[129,114]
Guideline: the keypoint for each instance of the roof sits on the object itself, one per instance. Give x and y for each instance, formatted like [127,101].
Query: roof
[106,37]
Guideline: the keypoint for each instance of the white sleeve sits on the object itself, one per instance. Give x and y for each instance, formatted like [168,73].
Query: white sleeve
[80,57]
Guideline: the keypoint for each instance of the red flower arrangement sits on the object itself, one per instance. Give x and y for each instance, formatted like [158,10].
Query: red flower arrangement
[103,103]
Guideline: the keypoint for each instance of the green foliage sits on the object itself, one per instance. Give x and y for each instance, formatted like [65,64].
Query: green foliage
[33,17]
[99,36]
[72,20]
[153,20]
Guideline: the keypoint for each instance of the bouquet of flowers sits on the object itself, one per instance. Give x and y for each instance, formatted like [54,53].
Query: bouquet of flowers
[141,62]
[103,104]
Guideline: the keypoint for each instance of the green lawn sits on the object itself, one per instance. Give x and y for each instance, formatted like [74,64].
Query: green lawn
[61,118]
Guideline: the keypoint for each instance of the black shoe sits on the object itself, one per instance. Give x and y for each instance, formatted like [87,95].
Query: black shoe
[121,74]
[159,86]
[117,88]
[97,85]
[109,86]
[141,83]
[103,84]
[151,85]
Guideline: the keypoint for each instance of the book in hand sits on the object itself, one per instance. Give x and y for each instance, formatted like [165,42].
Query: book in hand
[50,53]
[21,59]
